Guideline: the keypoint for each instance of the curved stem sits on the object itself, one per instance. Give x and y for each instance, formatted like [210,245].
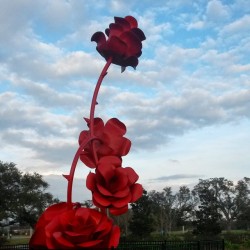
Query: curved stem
[70,177]
[94,102]
[94,98]
[91,137]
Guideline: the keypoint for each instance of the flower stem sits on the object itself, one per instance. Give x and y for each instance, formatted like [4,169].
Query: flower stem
[94,102]
[94,98]
[90,138]
[70,177]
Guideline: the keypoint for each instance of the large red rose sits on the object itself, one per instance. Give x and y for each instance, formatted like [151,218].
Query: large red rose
[109,140]
[124,42]
[113,186]
[73,227]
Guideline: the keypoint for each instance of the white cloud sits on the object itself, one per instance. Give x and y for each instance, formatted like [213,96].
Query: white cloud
[196,25]
[242,25]
[240,68]
[77,63]
[216,11]
[178,89]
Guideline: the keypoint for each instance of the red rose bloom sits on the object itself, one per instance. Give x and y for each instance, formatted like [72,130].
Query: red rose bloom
[62,227]
[124,42]
[113,186]
[110,141]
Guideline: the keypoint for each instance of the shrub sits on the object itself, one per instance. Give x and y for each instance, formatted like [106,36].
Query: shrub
[3,240]
[231,246]
[246,244]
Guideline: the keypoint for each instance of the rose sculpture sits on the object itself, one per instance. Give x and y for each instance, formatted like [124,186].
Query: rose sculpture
[68,225]
[61,227]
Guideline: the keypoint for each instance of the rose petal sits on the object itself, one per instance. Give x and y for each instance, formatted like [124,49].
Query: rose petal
[62,222]
[87,159]
[95,215]
[90,243]
[115,127]
[133,43]
[119,180]
[115,29]
[106,171]
[61,242]
[119,203]
[132,175]
[77,238]
[91,182]
[139,54]
[115,236]
[82,214]
[116,47]
[139,33]
[120,145]
[118,211]
[83,136]
[104,148]
[136,191]
[53,211]
[111,160]
[107,31]
[98,126]
[122,193]
[103,190]
[104,227]
[101,199]
[123,22]
[131,61]
[38,238]
[98,37]
[132,21]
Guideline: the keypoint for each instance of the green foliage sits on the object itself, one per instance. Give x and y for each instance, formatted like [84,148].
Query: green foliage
[3,240]
[243,203]
[141,223]
[236,237]
[23,196]
[207,216]
[9,186]
[246,243]
[213,204]
[18,241]
[231,246]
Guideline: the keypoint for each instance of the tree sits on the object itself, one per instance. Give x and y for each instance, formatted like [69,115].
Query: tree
[141,224]
[207,221]
[158,201]
[23,197]
[242,199]
[224,194]
[162,209]
[185,204]
[9,186]
[170,209]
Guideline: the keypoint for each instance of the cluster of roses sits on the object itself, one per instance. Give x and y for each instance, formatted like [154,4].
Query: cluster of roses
[112,185]
[67,225]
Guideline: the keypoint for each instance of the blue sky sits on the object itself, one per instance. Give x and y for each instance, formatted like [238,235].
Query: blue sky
[186,107]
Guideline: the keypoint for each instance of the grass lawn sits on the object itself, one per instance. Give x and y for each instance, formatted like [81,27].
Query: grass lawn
[18,240]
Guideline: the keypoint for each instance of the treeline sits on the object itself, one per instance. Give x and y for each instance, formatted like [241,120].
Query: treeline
[23,196]
[213,205]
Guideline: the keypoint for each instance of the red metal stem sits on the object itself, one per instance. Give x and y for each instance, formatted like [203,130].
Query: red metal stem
[94,102]
[70,177]
[91,137]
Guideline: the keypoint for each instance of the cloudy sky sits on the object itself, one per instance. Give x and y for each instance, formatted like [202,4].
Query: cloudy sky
[186,107]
